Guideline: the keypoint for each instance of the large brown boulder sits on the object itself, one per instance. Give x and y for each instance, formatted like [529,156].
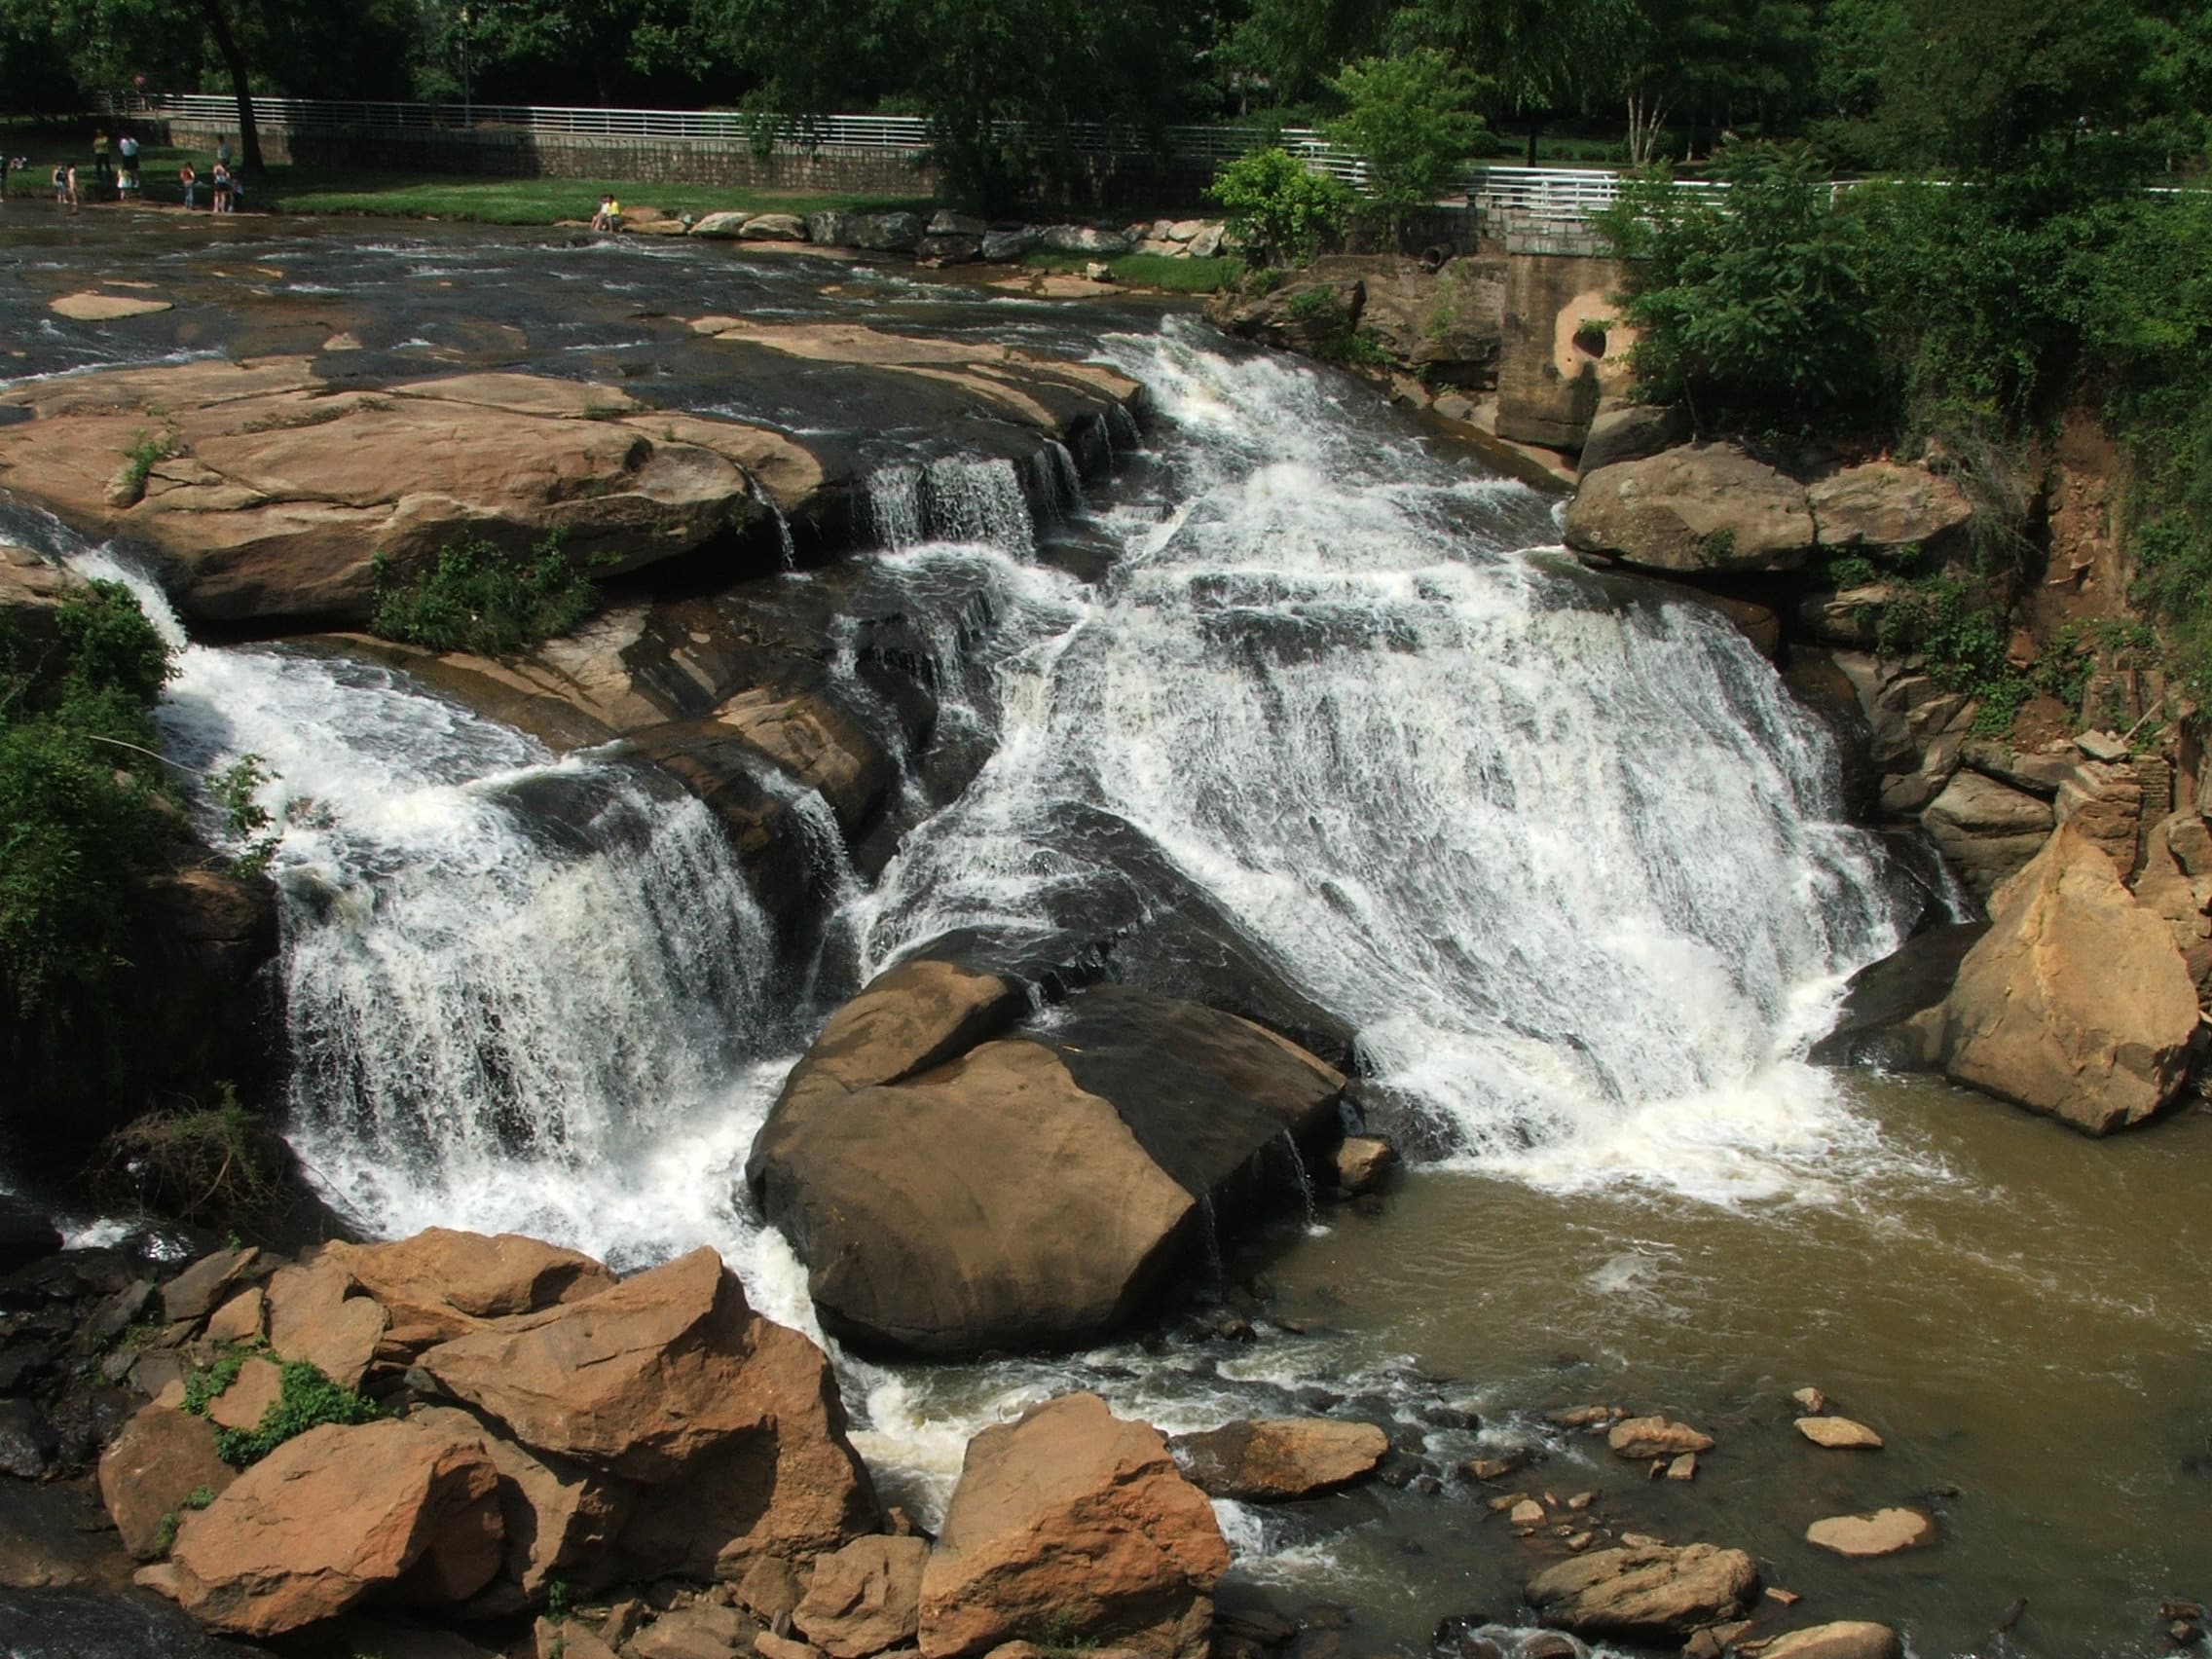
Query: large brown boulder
[670,1380]
[390,1510]
[1031,1190]
[1699,509]
[557,1517]
[1275,1460]
[2076,1002]
[1071,1524]
[1645,1592]
[1886,504]
[444,1283]
[160,1459]
[1312,316]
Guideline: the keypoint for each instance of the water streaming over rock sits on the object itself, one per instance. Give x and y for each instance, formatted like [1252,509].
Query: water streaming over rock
[1565,856]
[951,500]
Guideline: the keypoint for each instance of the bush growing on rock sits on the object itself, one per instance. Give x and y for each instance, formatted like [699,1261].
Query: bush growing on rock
[477,598]
[1280,211]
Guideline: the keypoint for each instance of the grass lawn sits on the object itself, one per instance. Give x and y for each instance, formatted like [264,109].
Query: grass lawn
[1150,269]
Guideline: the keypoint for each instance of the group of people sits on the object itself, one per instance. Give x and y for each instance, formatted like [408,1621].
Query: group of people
[116,176]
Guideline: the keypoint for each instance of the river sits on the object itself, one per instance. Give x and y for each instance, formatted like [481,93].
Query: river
[1303,694]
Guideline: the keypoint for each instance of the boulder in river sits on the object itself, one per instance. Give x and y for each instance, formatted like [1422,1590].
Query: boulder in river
[1845,1639]
[1071,1524]
[1277,1460]
[1646,1437]
[953,1190]
[1651,1593]
[2076,1002]
[1839,1434]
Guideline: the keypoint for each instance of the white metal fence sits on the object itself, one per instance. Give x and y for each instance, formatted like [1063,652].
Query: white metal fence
[1534,198]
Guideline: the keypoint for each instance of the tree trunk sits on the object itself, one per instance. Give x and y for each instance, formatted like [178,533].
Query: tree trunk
[234,59]
[1535,126]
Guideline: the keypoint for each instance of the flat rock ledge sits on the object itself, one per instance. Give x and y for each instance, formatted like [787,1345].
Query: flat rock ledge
[1656,1593]
[1883,1532]
[267,491]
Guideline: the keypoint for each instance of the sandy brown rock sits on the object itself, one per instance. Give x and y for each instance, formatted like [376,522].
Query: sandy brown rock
[705,1631]
[203,1284]
[1839,1433]
[1275,1459]
[1885,1531]
[313,1317]
[1702,508]
[1647,1437]
[1645,1592]
[908,1019]
[1846,1638]
[1987,829]
[335,1515]
[160,1459]
[2076,1002]
[769,1645]
[1070,1519]
[240,1319]
[1363,1163]
[865,1598]
[443,1283]
[105,308]
[279,490]
[671,1380]
[1886,504]
[242,1405]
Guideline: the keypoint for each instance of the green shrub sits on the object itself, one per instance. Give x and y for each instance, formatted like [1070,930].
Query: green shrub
[476,598]
[84,817]
[1281,211]
[304,1399]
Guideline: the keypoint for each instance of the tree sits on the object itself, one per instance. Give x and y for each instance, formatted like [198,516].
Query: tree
[1279,210]
[1750,307]
[1408,117]
[1533,57]
[1290,47]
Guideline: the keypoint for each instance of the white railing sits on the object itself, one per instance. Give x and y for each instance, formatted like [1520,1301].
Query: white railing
[1541,199]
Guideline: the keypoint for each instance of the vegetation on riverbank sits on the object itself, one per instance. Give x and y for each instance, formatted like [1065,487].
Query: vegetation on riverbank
[85,814]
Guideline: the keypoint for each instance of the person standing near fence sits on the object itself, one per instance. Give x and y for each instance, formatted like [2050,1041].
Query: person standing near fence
[103,165]
[188,177]
[127,147]
[222,192]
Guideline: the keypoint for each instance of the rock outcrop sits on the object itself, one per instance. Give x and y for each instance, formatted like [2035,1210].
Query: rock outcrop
[2076,1002]
[671,1380]
[1071,1524]
[1645,1592]
[1885,505]
[954,1189]
[1703,509]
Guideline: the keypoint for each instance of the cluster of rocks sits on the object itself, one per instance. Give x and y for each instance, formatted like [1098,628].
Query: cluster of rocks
[1607,1580]
[945,238]
[650,1447]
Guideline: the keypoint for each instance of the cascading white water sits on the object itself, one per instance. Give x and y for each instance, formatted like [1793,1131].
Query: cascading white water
[521,993]
[980,501]
[1568,860]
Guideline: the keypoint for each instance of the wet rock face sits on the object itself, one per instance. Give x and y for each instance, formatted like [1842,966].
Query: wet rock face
[954,1190]
[1281,1458]
[1699,509]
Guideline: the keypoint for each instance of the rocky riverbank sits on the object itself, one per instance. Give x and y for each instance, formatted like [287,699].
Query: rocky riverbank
[502,1441]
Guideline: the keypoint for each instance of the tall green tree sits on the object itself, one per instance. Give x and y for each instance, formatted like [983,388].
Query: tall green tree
[1411,117]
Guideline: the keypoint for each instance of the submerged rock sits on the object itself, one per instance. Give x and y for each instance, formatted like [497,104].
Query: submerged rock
[953,1190]
[1070,1524]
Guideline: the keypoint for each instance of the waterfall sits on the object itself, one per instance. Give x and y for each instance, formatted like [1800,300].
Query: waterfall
[521,993]
[980,501]
[1562,850]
